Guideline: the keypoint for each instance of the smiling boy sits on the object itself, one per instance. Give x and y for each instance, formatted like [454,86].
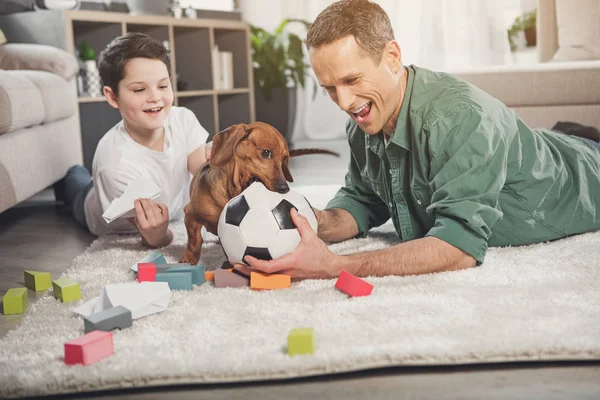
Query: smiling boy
[153,140]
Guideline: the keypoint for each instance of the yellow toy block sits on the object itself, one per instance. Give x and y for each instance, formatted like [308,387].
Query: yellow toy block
[15,301]
[66,290]
[301,341]
[38,281]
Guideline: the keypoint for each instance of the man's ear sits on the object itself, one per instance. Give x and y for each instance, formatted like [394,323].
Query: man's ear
[110,97]
[225,142]
[393,53]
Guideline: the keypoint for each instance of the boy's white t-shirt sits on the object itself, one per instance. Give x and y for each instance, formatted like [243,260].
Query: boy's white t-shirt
[119,160]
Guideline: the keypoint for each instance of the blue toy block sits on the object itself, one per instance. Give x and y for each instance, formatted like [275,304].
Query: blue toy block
[197,271]
[107,320]
[154,257]
[176,280]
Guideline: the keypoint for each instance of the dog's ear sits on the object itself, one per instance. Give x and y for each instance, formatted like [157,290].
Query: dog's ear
[286,170]
[224,144]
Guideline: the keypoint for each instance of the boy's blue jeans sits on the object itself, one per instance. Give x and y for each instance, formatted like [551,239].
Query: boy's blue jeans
[78,183]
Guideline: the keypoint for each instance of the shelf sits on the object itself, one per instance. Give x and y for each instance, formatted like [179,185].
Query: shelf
[97,34]
[233,109]
[193,58]
[233,91]
[89,99]
[236,42]
[191,93]
[203,108]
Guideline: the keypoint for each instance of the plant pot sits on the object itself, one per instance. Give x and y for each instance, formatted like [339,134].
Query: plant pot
[279,111]
[531,36]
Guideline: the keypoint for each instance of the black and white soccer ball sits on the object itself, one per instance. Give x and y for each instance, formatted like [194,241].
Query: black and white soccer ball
[258,223]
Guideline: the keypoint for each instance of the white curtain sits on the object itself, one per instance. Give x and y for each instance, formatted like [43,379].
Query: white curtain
[443,35]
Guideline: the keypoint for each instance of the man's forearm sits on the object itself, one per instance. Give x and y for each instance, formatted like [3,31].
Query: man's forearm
[420,256]
[336,225]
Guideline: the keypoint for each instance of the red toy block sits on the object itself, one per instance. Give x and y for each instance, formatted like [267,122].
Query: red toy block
[353,285]
[146,272]
[89,348]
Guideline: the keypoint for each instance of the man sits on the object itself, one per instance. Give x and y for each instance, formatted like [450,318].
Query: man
[454,168]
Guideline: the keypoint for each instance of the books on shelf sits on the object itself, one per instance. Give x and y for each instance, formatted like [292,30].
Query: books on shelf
[222,69]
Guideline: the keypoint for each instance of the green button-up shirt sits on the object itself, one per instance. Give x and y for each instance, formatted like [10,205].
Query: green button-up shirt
[463,167]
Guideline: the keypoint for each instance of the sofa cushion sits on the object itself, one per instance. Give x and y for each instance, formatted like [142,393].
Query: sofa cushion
[578,24]
[58,97]
[564,83]
[21,103]
[38,57]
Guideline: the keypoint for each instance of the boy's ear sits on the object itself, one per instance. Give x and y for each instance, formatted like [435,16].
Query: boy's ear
[110,97]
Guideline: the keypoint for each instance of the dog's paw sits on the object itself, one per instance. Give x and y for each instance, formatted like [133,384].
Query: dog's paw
[189,259]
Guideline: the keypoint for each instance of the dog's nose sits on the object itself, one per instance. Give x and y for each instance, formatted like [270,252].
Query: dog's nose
[282,188]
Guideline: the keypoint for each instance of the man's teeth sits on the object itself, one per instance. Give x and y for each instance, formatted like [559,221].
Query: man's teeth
[361,108]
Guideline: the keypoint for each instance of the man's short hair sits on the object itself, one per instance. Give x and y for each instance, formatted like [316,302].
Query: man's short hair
[114,58]
[366,21]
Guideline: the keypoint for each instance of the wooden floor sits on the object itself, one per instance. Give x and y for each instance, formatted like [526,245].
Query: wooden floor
[40,235]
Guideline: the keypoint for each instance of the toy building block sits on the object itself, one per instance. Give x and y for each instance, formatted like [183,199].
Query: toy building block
[176,280]
[107,320]
[224,278]
[147,271]
[260,281]
[197,271]
[89,348]
[301,341]
[209,275]
[66,290]
[154,257]
[15,301]
[352,285]
[38,281]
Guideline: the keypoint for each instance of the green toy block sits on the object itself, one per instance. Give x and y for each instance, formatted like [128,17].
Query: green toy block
[197,271]
[301,341]
[176,280]
[38,281]
[15,301]
[66,290]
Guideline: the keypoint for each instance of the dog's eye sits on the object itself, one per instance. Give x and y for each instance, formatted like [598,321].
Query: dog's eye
[267,154]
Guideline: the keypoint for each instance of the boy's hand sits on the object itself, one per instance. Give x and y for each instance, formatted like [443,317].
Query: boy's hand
[152,220]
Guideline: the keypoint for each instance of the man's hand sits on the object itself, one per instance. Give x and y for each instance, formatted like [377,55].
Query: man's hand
[152,221]
[311,259]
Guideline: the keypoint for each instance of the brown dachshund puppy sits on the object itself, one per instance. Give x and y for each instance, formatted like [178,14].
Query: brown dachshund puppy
[240,155]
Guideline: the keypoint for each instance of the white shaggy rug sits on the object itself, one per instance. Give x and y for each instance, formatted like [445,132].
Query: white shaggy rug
[540,302]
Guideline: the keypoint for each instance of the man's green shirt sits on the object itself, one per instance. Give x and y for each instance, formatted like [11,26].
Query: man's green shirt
[463,167]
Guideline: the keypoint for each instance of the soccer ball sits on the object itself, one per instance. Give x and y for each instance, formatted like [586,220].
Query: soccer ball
[258,223]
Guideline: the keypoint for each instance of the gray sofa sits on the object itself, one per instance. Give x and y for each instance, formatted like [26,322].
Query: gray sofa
[40,135]
[564,85]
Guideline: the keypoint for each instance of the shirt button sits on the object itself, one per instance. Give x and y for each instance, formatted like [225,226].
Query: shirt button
[390,171]
[390,203]
[378,193]
[419,202]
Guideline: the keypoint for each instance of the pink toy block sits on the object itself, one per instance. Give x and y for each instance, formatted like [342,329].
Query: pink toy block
[353,285]
[146,272]
[89,348]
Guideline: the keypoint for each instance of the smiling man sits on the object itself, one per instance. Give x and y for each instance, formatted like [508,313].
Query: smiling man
[454,168]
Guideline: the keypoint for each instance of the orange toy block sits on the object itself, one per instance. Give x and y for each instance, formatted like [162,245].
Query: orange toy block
[259,281]
[209,275]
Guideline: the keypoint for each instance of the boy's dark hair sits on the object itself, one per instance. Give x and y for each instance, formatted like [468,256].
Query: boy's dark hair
[114,58]
[366,21]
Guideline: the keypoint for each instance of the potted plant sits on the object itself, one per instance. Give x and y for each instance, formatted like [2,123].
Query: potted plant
[526,24]
[278,63]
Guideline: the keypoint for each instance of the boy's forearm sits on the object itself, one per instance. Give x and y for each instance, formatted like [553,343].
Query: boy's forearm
[336,225]
[166,239]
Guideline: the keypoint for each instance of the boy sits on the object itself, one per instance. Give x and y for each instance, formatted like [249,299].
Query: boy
[154,140]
